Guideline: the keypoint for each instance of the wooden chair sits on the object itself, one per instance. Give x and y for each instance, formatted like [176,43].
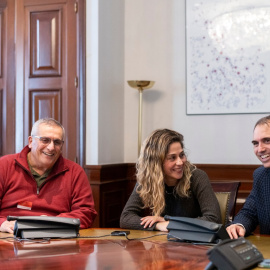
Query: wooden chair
[226,193]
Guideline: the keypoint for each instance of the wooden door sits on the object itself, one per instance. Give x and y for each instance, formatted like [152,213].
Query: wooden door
[50,69]
[7,82]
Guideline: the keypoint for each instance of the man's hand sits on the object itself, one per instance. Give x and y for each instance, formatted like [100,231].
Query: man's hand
[235,231]
[7,226]
[149,221]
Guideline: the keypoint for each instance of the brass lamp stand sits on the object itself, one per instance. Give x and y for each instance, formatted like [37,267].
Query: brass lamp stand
[140,85]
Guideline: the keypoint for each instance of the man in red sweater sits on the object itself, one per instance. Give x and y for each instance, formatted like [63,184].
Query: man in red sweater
[39,181]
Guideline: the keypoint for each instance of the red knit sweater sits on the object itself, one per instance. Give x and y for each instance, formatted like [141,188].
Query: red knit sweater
[66,192]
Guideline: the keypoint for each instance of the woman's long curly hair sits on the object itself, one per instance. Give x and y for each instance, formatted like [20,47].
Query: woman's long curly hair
[150,174]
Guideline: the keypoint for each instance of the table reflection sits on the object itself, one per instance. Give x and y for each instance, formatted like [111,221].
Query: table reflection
[100,254]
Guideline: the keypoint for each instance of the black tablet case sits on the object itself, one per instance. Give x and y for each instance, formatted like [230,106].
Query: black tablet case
[45,227]
[195,230]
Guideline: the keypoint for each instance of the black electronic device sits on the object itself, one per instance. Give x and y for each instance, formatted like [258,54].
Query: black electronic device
[120,233]
[234,254]
[195,230]
[45,227]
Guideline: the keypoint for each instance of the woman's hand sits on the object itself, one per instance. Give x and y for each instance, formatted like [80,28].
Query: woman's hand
[149,221]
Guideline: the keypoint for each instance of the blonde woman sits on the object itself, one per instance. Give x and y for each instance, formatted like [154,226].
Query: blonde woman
[168,184]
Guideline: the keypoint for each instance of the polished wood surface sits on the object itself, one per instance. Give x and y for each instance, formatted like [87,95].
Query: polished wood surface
[109,252]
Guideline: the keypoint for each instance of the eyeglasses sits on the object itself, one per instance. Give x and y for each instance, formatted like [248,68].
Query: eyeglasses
[46,141]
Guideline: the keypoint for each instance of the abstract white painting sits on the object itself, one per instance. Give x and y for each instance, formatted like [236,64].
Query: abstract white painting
[228,56]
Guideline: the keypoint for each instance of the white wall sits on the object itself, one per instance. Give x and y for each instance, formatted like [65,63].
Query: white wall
[145,40]
[104,81]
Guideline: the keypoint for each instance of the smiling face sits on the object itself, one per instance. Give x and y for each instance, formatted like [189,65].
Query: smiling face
[42,156]
[173,165]
[261,144]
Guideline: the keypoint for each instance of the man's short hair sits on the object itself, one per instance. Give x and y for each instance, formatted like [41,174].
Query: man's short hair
[46,121]
[262,121]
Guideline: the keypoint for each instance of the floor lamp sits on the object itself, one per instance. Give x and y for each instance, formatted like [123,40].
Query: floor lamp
[140,85]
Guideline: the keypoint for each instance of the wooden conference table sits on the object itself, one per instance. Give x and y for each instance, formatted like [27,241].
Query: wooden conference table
[109,253]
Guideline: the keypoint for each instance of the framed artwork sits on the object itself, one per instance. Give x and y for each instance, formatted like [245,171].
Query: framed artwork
[228,56]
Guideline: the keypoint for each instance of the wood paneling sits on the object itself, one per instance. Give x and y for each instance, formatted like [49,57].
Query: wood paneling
[51,69]
[7,78]
[45,43]
[112,185]
[1,82]
[1,48]
[1,115]
[44,102]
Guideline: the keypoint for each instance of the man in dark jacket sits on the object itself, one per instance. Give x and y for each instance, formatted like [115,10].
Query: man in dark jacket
[256,210]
